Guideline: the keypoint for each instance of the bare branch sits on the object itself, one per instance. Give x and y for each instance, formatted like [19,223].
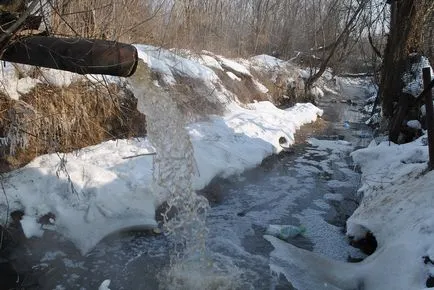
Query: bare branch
[14,28]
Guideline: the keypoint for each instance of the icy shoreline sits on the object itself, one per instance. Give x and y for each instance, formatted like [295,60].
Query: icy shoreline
[101,189]
[397,208]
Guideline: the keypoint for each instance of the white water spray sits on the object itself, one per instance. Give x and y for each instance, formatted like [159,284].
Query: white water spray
[174,168]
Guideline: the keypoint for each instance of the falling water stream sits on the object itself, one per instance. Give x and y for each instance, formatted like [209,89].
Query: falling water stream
[174,168]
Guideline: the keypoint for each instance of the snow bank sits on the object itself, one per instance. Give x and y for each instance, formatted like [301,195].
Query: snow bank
[169,65]
[92,192]
[105,188]
[394,267]
[244,137]
[307,270]
[413,82]
[397,207]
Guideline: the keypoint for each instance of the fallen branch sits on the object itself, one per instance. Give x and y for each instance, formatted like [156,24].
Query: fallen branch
[139,155]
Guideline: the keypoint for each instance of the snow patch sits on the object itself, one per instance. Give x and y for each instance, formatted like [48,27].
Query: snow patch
[413,82]
[104,285]
[169,65]
[31,228]
[234,66]
[266,62]
[415,124]
[233,76]
[260,87]
[317,92]
[209,61]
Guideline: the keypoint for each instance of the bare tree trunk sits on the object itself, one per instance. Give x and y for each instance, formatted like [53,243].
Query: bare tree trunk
[405,38]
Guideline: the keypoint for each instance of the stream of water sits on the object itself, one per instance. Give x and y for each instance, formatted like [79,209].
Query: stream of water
[221,245]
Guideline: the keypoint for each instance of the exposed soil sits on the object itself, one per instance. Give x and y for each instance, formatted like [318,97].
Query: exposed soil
[319,127]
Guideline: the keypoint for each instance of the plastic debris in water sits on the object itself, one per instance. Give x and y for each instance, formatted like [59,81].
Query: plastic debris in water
[285,232]
[105,285]
[347,125]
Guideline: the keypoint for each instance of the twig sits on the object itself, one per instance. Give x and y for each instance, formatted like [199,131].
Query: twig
[7,212]
[138,155]
[62,168]
[20,21]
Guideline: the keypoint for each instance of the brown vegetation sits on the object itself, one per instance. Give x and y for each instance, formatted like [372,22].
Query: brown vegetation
[53,119]
[228,27]
[194,98]
[285,86]
[244,87]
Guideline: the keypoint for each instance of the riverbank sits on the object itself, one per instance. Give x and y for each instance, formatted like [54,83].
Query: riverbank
[83,196]
[395,212]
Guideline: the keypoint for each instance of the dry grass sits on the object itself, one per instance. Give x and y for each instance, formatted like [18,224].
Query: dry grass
[53,119]
[195,99]
[320,126]
[283,86]
[244,89]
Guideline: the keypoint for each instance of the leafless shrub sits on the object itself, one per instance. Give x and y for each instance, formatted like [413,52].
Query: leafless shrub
[195,99]
[243,87]
[128,20]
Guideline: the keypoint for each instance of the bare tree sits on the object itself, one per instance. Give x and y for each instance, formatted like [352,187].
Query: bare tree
[341,39]
[405,38]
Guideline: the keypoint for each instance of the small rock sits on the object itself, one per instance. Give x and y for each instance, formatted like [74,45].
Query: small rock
[367,245]
[47,219]
[430,282]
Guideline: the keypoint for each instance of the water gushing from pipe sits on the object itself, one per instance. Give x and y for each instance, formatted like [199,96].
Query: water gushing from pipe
[174,168]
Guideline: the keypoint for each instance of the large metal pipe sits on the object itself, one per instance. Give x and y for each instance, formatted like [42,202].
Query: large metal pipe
[78,55]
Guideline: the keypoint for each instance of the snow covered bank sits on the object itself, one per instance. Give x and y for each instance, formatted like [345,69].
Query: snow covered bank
[107,187]
[244,137]
[92,192]
[397,207]
[100,189]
